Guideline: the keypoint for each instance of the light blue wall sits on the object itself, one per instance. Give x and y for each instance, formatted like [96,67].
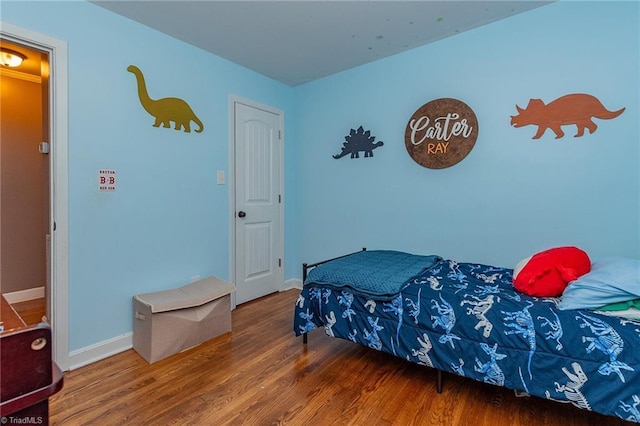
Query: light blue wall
[167,220]
[512,195]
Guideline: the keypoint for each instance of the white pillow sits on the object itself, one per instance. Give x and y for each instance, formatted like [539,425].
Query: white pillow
[610,280]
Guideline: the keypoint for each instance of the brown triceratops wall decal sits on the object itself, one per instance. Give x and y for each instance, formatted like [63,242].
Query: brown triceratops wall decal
[165,110]
[578,109]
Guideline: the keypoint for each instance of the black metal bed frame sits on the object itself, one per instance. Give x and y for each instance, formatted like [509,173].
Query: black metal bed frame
[305,270]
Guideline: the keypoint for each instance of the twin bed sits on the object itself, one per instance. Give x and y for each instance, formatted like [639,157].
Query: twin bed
[467,319]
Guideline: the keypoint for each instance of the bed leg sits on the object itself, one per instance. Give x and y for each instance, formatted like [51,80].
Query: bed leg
[304,338]
[439,381]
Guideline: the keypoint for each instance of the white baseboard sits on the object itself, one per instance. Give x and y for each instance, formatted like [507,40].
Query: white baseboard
[292,283]
[101,350]
[24,295]
[86,355]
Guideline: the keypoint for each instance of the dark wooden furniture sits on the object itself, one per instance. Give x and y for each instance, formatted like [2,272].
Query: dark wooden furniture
[28,375]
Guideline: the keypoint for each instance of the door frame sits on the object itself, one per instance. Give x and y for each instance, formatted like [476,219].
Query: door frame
[58,180]
[233,100]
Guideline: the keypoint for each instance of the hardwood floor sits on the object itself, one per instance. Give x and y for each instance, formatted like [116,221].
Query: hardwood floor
[261,374]
[9,317]
[31,311]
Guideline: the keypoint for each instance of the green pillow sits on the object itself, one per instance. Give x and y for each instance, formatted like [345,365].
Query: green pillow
[620,306]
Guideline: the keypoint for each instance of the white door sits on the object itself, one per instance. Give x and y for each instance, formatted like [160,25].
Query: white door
[258,201]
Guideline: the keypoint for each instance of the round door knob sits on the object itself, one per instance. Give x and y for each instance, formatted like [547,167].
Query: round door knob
[241,214]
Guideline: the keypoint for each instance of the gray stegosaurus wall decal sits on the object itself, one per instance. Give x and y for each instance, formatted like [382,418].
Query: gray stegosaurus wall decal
[356,141]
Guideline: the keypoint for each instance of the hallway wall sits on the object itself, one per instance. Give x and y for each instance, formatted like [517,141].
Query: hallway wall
[24,187]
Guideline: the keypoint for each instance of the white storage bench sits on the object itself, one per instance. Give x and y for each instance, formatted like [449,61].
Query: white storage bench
[171,321]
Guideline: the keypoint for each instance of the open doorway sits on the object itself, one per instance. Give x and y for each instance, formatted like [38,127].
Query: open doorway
[50,69]
[25,218]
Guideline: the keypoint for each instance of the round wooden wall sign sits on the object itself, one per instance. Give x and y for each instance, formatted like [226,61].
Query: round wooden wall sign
[441,133]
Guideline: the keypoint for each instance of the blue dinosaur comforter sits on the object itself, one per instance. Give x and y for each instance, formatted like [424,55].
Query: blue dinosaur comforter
[467,319]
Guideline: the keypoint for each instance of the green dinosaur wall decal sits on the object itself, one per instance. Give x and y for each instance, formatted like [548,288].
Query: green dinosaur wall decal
[165,110]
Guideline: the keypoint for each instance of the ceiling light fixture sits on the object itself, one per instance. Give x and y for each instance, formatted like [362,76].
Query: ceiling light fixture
[11,58]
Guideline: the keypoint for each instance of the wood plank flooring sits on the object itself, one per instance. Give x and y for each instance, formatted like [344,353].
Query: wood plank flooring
[31,311]
[9,317]
[261,374]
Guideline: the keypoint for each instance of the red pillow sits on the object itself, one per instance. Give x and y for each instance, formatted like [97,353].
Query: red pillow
[547,273]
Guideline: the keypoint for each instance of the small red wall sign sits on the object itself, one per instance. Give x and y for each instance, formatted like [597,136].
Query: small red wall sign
[441,133]
[107,180]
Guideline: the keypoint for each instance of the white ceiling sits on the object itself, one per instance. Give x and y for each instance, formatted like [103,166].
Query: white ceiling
[299,41]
